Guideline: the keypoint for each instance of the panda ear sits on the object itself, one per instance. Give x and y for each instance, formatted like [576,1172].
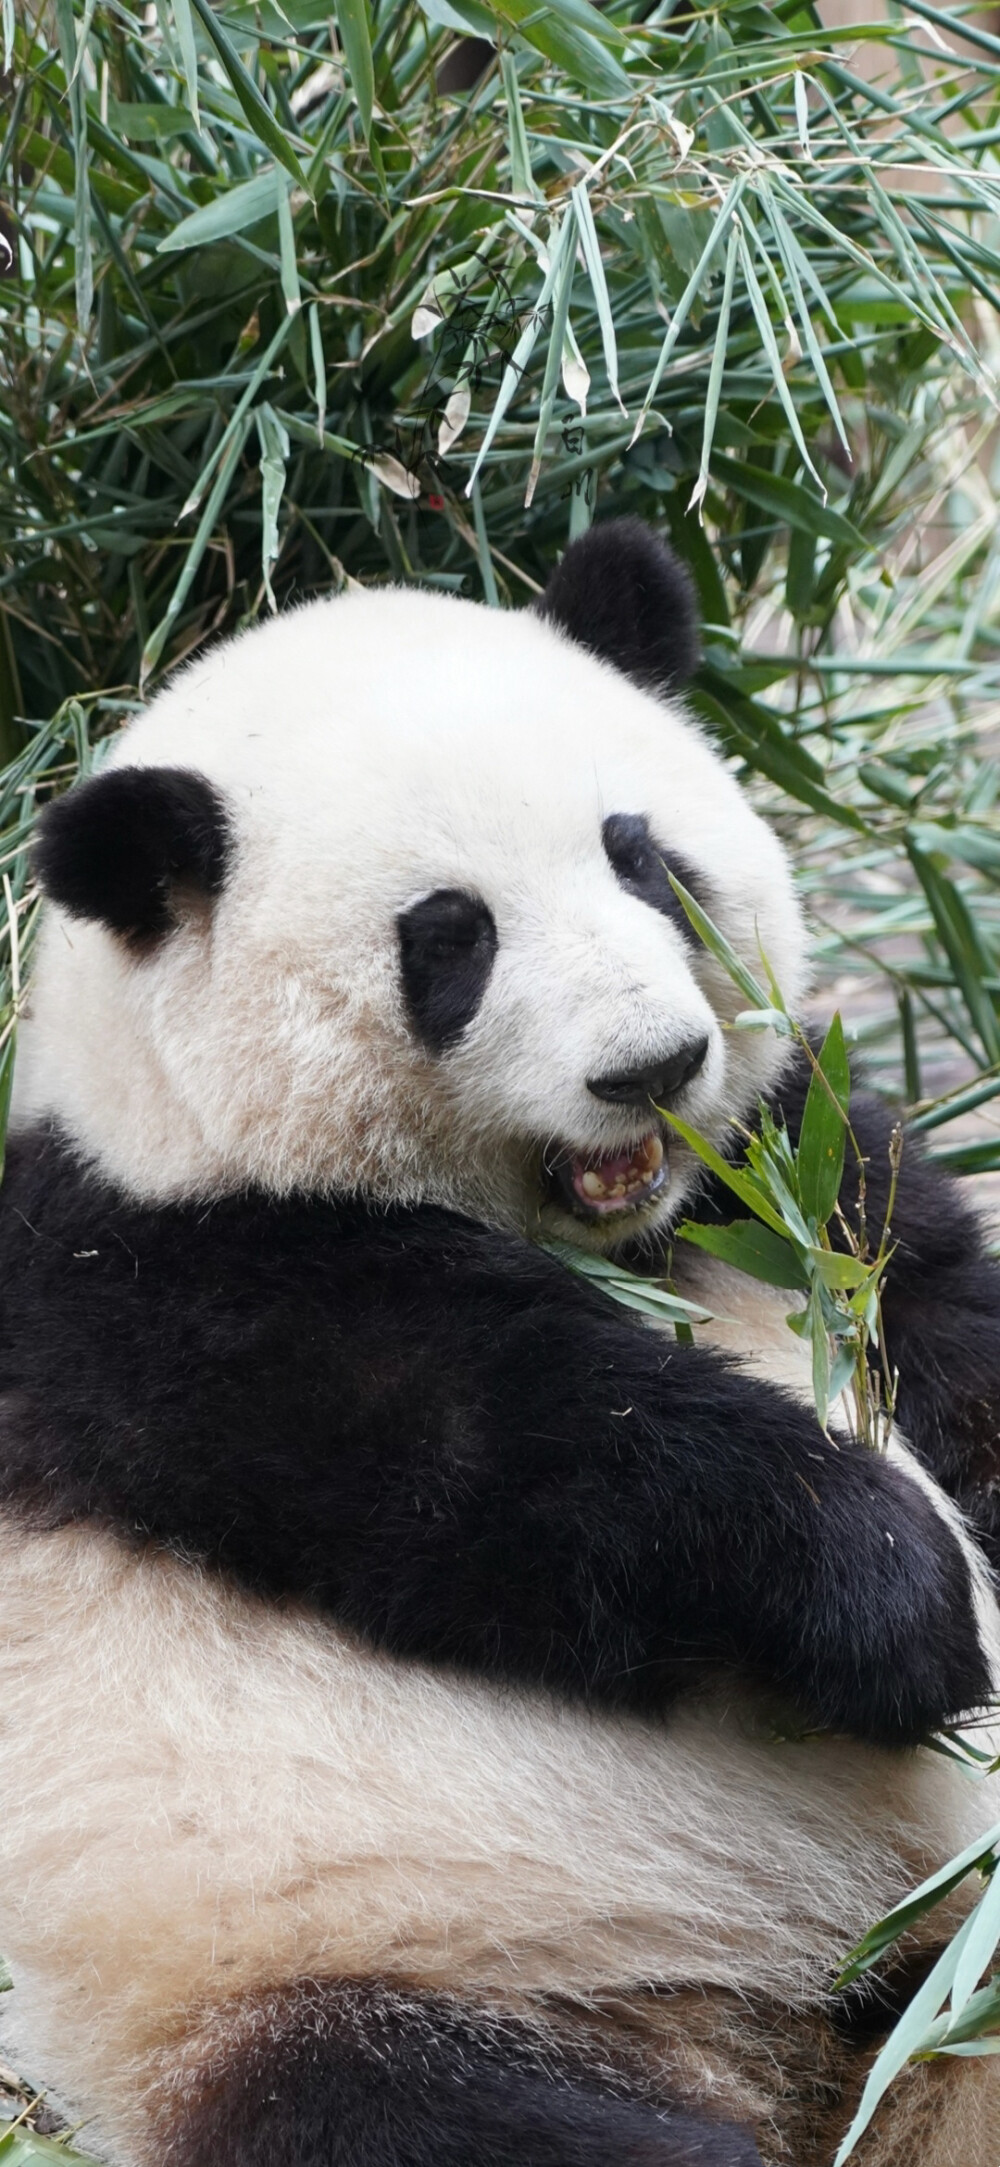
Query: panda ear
[122,847]
[621,592]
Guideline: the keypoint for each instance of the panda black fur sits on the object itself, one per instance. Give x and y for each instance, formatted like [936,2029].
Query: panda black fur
[360,957]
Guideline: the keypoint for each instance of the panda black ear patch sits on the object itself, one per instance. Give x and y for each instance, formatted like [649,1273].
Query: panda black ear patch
[623,594]
[118,848]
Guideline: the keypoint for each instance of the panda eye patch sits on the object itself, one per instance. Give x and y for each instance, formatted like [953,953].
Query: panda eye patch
[642,866]
[447,945]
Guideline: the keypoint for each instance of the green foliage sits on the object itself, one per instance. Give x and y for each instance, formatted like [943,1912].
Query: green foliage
[647,1296]
[281,295]
[23,2147]
[971,2022]
[793,1192]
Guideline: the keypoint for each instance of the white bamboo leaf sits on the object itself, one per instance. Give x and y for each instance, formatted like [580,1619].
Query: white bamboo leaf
[575,373]
[802,114]
[455,416]
[522,178]
[393,475]
[319,368]
[563,265]
[184,24]
[770,345]
[790,252]
[980,1947]
[592,257]
[807,209]
[273,438]
[907,2036]
[716,371]
[286,242]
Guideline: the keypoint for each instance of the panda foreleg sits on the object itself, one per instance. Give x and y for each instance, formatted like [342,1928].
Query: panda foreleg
[328,2073]
[445,1440]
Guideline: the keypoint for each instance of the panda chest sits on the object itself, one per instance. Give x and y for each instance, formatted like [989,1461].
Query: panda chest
[746,1319]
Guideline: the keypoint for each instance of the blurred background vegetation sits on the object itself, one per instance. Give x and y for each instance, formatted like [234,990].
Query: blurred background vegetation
[298,297]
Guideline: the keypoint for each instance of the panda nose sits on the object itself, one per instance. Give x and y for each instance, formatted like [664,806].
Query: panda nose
[659,1080]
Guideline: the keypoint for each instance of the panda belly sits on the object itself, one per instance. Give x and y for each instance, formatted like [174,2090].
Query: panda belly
[203,1798]
[746,1319]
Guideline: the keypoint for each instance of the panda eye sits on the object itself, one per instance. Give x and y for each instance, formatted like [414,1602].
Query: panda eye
[643,868]
[447,945]
[628,844]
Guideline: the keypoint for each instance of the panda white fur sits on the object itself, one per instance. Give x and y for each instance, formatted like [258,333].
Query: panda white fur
[390,1629]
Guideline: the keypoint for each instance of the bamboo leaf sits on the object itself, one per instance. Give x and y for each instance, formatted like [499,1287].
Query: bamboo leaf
[977,1856]
[629,1288]
[483,547]
[157,641]
[820,1343]
[231,211]
[189,54]
[563,254]
[770,346]
[735,1178]
[273,457]
[354,25]
[796,267]
[788,502]
[717,944]
[907,2037]
[319,368]
[692,289]
[592,258]
[836,1271]
[751,1247]
[575,36]
[978,1952]
[515,369]
[521,176]
[715,373]
[823,1134]
[254,106]
[83,256]
[962,945]
[286,241]
[233,426]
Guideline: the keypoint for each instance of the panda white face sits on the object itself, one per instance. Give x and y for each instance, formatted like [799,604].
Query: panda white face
[443,961]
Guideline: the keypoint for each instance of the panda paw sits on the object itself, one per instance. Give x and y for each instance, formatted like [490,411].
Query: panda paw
[893,1636]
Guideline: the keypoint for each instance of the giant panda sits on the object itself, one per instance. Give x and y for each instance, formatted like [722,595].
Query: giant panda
[444,1718]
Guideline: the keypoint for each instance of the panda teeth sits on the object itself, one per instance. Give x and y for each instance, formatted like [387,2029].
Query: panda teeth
[600,1184]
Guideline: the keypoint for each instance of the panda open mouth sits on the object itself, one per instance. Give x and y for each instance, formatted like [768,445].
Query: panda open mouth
[597,1184]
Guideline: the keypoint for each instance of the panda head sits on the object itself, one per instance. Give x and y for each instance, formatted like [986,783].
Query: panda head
[374,898]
